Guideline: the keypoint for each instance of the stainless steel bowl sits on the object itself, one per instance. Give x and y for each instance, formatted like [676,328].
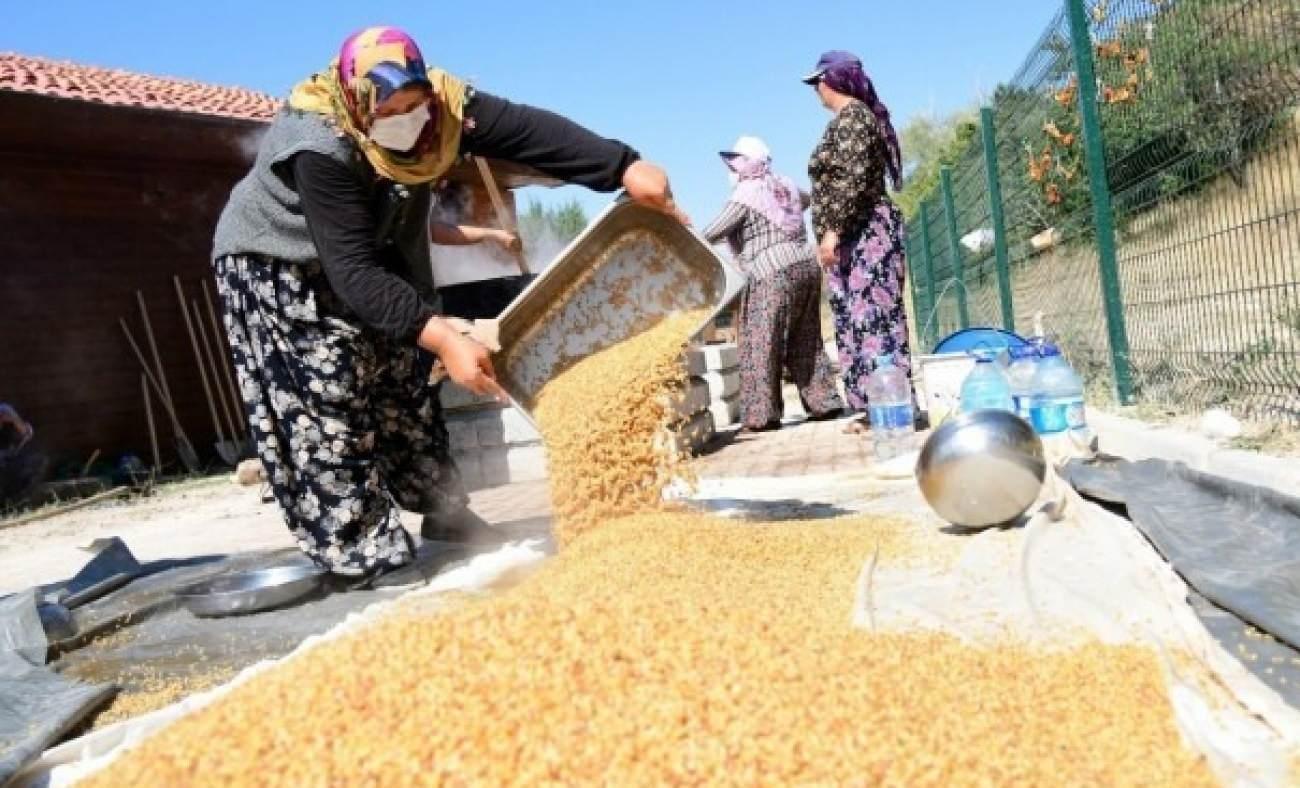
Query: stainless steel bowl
[251,592]
[982,469]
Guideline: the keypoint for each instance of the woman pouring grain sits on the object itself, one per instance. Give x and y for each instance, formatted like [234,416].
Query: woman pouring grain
[322,260]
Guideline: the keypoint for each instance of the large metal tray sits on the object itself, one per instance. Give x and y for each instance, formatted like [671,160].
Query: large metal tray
[629,269]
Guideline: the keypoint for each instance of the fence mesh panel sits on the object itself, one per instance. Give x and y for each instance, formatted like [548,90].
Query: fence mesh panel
[1200,133]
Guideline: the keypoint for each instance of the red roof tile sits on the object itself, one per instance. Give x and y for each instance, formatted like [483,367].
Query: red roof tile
[62,79]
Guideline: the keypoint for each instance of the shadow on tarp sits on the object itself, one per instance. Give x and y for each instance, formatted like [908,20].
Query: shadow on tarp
[768,511]
[1236,545]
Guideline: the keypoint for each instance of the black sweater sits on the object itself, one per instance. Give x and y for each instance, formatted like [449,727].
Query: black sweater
[336,203]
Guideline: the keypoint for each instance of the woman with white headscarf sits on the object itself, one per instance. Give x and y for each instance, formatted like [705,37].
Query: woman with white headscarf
[780,311]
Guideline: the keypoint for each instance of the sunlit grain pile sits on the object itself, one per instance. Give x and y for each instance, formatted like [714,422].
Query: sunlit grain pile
[670,648]
[602,423]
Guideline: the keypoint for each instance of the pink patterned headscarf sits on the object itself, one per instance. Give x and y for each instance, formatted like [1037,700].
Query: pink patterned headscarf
[771,195]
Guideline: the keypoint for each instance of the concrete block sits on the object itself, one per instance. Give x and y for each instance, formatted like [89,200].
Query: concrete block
[712,358]
[454,397]
[722,384]
[527,463]
[496,466]
[516,429]
[726,413]
[695,399]
[509,464]
[691,435]
[471,470]
[462,432]
[697,432]
[491,430]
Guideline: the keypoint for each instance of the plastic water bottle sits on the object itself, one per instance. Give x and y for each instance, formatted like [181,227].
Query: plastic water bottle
[1020,375]
[986,388]
[890,409]
[1057,403]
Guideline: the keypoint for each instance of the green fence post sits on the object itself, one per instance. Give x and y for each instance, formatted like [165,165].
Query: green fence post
[927,261]
[909,254]
[954,245]
[1102,214]
[998,217]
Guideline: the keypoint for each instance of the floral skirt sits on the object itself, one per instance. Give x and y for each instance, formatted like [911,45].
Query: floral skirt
[780,329]
[345,421]
[866,289]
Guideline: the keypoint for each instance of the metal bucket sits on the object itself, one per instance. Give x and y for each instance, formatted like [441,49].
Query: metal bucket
[632,267]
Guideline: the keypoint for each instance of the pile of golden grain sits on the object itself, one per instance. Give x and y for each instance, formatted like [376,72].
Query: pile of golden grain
[603,423]
[672,648]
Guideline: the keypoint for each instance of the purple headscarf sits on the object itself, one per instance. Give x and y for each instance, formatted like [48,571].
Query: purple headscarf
[771,195]
[847,76]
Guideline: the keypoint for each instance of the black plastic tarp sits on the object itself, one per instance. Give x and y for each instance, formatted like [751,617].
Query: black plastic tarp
[37,704]
[1236,544]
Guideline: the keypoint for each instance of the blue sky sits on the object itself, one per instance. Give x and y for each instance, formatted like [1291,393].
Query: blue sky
[677,80]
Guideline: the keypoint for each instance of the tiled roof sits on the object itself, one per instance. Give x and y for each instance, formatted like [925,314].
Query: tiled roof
[62,79]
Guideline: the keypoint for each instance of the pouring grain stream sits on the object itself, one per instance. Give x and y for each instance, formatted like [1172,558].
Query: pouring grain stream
[604,420]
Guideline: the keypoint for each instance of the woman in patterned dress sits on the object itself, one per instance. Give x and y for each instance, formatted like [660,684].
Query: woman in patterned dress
[859,229]
[780,311]
[322,260]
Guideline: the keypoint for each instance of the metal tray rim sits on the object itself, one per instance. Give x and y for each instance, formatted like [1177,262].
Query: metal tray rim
[733,280]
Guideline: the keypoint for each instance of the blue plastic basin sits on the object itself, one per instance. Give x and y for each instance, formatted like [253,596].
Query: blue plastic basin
[968,339]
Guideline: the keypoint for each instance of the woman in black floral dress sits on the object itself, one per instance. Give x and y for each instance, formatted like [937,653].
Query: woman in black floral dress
[859,229]
[322,260]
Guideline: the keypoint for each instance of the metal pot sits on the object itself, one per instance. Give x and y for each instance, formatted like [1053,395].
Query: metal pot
[982,469]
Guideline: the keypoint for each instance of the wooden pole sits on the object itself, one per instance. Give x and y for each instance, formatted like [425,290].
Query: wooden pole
[186,449]
[153,348]
[153,431]
[217,334]
[212,362]
[499,205]
[198,359]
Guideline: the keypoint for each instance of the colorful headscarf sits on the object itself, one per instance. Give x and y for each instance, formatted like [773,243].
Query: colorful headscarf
[371,65]
[771,195]
[848,77]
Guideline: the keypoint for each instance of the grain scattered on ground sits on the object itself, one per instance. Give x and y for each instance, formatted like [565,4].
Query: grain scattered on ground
[673,648]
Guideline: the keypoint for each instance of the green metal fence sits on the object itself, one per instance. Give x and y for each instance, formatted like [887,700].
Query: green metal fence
[1136,188]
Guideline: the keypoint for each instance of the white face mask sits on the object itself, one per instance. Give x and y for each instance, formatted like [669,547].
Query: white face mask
[400,132]
[734,177]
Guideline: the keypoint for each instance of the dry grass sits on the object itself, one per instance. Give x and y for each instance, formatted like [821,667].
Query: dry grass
[681,649]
